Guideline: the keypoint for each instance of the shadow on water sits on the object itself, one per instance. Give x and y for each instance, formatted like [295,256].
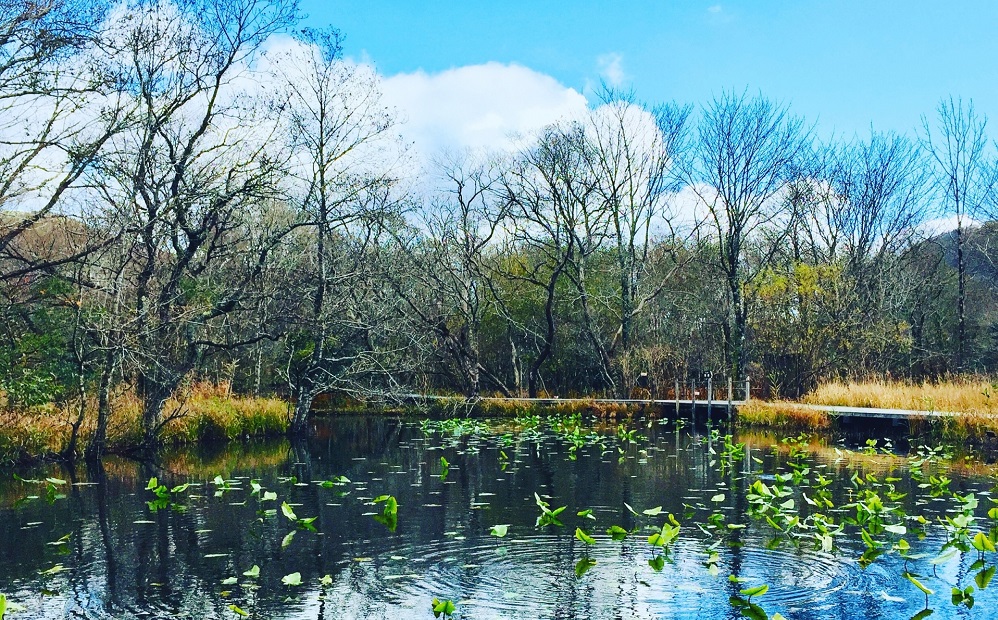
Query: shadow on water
[127,557]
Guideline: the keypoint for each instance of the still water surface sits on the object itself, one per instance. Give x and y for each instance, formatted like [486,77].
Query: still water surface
[122,559]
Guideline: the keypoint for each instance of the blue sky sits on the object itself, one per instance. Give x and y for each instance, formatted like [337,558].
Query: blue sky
[844,65]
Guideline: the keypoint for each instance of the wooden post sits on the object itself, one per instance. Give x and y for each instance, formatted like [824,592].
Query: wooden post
[748,388]
[677,398]
[730,393]
[693,402]
[710,394]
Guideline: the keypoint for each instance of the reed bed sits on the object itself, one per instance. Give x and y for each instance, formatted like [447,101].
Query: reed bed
[972,401]
[784,416]
[978,396]
[200,412]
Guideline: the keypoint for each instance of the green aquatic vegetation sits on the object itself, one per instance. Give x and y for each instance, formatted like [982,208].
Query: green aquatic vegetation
[583,536]
[301,523]
[291,580]
[963,597]
[983,544]
[389,512]
[749,609]
[871,447]
[662,539]
[547,516]
[52,489]
[958,526]
[7,605]
[821,493]
[499,531]
[165,497]
[444,468]
[730,454]
[773,504]
[984,577]
[626,435]
[336,481]
[583,566]
[454,428]
[617,533]
[61,545]
[223,486]
[444,608]
[252,573]
[713,559]
[937,485]
[236,609]
[913,578]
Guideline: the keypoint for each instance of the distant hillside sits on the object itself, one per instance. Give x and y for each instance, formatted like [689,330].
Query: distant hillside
[980,251]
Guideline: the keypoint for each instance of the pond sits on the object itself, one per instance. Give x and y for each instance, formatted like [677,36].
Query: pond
[659,522]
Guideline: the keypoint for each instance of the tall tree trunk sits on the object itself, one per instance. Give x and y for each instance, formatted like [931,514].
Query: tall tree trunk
[98,442]
[300,417]
[961,270]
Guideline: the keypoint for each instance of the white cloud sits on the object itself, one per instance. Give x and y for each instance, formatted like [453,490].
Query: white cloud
[714,9]
[477,106]
[611,68]
[943,225]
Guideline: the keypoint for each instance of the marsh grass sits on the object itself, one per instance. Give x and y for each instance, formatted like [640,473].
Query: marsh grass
[782,416]
[973,401]
[199,412]
[976,396]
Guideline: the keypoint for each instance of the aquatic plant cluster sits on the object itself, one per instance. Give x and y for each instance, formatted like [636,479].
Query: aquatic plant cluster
[923,523]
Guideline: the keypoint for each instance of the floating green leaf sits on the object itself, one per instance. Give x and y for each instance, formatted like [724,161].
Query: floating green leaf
[583,566]
[616,532]
[445,608]
[755,591]
[918,584]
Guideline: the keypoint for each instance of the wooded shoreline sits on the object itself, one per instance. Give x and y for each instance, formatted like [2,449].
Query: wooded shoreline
[208,413]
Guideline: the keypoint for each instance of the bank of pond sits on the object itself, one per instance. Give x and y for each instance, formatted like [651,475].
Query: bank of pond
[558,516]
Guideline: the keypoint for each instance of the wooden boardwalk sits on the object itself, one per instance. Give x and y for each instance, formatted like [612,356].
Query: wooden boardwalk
[684,404]
[882,414]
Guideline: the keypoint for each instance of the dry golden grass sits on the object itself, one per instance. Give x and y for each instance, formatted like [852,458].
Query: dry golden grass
[973,401]
[781,415]
[203,412]
[955,395]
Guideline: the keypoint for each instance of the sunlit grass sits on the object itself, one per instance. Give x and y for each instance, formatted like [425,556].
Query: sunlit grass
[199,412]
[954,395]
[782,416]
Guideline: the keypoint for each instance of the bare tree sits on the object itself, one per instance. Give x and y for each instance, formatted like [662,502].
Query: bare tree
[448,252]
[342,187]
[547,189]
[190,180]
[965,178]
[57,110]
[630,155]
[743,158]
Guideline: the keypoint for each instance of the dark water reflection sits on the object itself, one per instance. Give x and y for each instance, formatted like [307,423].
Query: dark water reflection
[123,560]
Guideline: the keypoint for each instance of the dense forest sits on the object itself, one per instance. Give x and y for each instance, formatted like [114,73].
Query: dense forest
[203,190]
